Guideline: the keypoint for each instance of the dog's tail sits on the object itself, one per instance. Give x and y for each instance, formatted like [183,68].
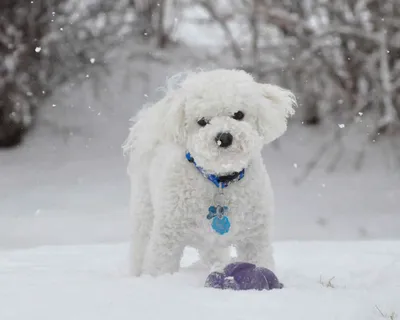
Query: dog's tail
[156,123]
[142,136]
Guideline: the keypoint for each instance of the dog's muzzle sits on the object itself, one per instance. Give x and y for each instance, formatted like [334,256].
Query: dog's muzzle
[224,139]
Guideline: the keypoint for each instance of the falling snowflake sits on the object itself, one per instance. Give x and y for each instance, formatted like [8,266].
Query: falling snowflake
[341,125]
[92,60]
[38,49]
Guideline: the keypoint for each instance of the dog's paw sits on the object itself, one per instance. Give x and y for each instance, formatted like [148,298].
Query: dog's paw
[217,267]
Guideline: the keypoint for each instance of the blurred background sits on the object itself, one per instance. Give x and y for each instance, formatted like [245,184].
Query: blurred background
[73,73]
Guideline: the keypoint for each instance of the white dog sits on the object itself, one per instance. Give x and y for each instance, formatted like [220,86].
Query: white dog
[197,175]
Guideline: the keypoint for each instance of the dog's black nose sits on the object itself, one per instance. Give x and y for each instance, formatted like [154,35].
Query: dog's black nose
[224,139]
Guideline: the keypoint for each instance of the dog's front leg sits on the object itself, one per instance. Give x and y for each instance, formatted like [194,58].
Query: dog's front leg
[165,248]
[256,249]
[215,258]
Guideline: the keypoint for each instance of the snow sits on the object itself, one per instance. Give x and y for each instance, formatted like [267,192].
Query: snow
[90,282]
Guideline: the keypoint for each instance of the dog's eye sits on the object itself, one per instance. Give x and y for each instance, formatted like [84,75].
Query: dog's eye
[202,122]
[238,115]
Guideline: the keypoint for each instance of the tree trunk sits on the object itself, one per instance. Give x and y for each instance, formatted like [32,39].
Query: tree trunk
[311,114]
[11,129]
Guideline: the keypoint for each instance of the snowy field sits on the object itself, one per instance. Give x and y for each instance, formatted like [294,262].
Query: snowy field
[323,281]
[64,223]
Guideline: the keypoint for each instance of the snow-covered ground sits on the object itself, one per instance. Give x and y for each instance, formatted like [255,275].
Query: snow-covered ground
[323,281]
[64,195]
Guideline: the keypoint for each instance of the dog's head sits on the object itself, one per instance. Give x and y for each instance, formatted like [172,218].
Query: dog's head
[222,117]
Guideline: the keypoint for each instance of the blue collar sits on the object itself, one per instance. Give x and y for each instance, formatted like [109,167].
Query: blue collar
[219,181]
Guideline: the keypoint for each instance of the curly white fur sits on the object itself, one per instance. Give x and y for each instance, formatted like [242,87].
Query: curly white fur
[170,198]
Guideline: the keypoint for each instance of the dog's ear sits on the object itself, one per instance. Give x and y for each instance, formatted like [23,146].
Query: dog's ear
[173,121]
[163,121]
[275,108]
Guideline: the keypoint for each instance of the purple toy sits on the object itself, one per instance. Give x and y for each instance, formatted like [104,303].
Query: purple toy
[243,276]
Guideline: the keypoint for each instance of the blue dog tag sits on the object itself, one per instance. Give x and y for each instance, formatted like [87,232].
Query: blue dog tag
[220,222]
[221,225]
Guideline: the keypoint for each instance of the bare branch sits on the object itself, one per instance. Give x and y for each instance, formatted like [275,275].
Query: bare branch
[207,5]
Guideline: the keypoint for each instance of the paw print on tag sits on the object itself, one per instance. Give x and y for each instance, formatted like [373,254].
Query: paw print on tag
[217,211]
